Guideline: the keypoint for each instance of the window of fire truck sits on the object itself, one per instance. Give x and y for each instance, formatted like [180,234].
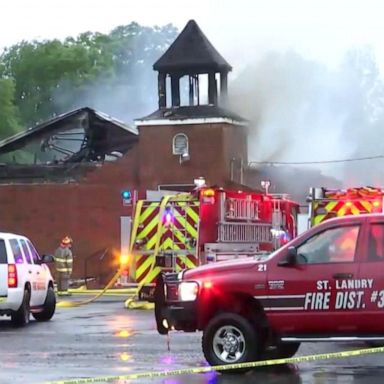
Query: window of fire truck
[335,245]
[376,242]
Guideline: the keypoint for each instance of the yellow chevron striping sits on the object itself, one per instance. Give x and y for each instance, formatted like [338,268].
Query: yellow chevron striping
[354,210]
[189,228]
[367,205]
[330,206]
[152,275]
[188,262]
[184,196]
[135,224]
[342,211]
[152,241]
[143,267]
[169,244]
[148,228]
[318,219]
[148,211]
[190,208]
[193,214]
[179,236]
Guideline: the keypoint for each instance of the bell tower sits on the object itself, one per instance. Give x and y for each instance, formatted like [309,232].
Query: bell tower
[191,55]
[191,134]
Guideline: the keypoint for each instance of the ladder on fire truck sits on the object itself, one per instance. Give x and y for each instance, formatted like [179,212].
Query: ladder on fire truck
[239,230]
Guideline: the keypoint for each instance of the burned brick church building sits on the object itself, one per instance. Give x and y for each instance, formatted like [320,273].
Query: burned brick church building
[65,176]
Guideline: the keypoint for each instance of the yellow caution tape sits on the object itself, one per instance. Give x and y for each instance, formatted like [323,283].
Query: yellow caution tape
[253,364]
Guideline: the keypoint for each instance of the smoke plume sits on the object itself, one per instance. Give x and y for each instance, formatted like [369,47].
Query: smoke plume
[303,111]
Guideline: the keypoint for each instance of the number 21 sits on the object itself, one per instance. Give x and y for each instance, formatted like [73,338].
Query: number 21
[262,267]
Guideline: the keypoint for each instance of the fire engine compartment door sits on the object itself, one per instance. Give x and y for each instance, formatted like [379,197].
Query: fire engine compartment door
[323,289]
[179,237]
[178,233]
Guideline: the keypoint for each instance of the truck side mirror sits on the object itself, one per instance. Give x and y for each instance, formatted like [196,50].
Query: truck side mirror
[290,259]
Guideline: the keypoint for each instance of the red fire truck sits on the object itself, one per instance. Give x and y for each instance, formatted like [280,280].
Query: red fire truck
[326,203]
[185,230]
[312,289]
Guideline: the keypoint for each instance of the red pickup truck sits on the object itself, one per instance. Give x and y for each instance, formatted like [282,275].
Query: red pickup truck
[325,285]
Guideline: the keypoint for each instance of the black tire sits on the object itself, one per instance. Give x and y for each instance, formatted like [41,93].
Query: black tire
[48,308]
[230,328]
[281,351]
[21,317]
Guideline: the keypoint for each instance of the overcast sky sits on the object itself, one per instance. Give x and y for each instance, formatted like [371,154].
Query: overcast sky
[241,29]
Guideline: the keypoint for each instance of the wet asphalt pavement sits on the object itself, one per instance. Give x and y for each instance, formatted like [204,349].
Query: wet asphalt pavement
[104,339]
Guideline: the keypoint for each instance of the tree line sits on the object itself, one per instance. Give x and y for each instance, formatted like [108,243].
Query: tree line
[41,79]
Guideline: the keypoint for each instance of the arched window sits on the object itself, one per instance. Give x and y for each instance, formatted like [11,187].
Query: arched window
[180,144]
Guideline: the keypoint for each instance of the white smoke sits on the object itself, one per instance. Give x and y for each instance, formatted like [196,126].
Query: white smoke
[127,98]
[303,111]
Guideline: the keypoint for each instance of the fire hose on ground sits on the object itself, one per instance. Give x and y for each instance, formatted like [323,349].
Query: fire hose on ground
[132,302]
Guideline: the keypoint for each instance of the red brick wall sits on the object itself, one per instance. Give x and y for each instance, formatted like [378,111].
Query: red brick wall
[90,210]
[211,146]
[235,149]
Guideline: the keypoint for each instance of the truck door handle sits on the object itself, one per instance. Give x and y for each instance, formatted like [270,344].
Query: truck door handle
[343,275]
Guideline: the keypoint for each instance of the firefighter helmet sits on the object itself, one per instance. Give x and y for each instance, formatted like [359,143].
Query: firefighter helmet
[66,241]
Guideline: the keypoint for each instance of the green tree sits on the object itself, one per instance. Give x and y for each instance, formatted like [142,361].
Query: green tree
[53,76]
[9,122]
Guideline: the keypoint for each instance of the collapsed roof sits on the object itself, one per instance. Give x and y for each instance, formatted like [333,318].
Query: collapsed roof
[82,135]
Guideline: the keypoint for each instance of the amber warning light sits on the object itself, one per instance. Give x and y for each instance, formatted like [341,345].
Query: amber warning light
[208,196]
[124,259]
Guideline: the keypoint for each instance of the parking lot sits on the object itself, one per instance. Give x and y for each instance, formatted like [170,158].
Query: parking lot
[104,339]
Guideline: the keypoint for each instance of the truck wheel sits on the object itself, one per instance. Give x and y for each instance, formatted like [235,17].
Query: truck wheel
[281,351]
[229,339]
[21,316]
[48,308]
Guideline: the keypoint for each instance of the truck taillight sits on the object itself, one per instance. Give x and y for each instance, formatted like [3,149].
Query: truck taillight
[12,276]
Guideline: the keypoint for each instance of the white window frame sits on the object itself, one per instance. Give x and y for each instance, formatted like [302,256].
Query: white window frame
[184,149]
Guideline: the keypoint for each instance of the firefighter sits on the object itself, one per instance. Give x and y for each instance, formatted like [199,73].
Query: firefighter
[63,264]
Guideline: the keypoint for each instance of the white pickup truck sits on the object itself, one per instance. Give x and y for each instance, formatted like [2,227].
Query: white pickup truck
[26,283]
